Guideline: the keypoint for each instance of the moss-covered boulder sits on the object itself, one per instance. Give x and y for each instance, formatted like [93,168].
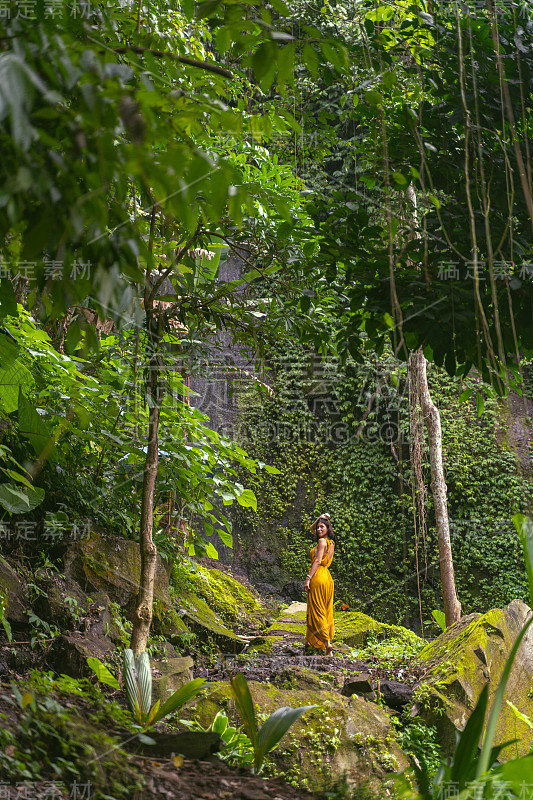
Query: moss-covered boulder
[233,602]
[113,564]
[169,676]
[202,620]
[469,655]
[341,736]
[351,628]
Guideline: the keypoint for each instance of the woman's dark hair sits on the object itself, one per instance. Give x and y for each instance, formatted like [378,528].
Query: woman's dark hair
[328,525]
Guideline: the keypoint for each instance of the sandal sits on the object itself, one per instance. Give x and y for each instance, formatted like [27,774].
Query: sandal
[329,650]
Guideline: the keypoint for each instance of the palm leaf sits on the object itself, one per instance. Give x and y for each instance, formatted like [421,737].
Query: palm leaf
[102,672]
[273,730]
[130,680]
[245,706]
[180,697]
[144,680]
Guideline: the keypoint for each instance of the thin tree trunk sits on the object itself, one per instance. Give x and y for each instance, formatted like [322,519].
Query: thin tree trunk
[452,606]
[142,619]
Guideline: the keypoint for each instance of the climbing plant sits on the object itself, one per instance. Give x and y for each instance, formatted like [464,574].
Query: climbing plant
[339,435]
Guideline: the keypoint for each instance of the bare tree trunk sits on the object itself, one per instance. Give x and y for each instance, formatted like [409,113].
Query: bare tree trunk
[142,619]
[452,606]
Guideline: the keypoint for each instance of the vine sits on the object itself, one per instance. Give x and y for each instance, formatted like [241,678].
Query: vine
[339,434]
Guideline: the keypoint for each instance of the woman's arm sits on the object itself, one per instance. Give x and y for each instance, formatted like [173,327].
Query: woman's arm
[319,555]
[315,523]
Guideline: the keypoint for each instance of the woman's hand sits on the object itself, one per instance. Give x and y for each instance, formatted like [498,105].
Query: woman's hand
[307,584]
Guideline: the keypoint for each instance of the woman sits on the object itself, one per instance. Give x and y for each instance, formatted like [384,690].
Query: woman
[319,588]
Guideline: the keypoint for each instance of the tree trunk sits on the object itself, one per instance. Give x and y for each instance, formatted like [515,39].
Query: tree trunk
[142,619]
[430,412]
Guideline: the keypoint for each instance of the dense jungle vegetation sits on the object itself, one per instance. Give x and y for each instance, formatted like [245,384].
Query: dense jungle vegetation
[259,261]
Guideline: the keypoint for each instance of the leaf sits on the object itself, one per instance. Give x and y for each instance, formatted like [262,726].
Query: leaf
[27,699]
[153,713]
[18,500]
[466,395]
[280,7]
[524,528]
[188,8]
[130,680]
[310,59]
[225,537]
[180,697]
[12,376]
[480,404]
[273,730]
[220,723]
[440,619]
[247,499]
[144,680]
[32,427]
[373,98]
[468,745]
[245,706]
[178,761]
[515,772]
[519,715]
[102,672]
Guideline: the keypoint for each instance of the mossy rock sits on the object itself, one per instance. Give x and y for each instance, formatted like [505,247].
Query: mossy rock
[113,564]
[205,622]
[175,673]
[341,736]
[352,628]
[466,657]
[226,596]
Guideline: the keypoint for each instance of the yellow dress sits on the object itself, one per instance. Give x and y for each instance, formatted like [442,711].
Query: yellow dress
[320,601]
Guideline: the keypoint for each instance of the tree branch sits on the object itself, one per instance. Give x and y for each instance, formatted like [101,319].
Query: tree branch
[190,62]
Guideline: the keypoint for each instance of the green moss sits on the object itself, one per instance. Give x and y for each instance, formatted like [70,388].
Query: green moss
[224,595]
[318,747]
[465,658]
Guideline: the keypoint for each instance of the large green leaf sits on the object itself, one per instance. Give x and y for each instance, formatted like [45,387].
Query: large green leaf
[130,680]
[8,302]
[463,765]
[517,773]
[180,697]
[13,375]
[273,730]
[245,706]
[144,679]
[19,500]
[32,427]
[102,672]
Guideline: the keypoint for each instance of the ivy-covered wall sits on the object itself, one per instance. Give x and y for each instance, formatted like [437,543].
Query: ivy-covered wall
[339,435]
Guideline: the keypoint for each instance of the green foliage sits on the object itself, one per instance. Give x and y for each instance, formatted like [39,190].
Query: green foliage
[268,736]
[138,685]
[421,742]
[238,749]
[48,741]
[439,618]
[339,434]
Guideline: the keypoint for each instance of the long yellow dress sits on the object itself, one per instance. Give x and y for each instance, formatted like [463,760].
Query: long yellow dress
[320,601]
